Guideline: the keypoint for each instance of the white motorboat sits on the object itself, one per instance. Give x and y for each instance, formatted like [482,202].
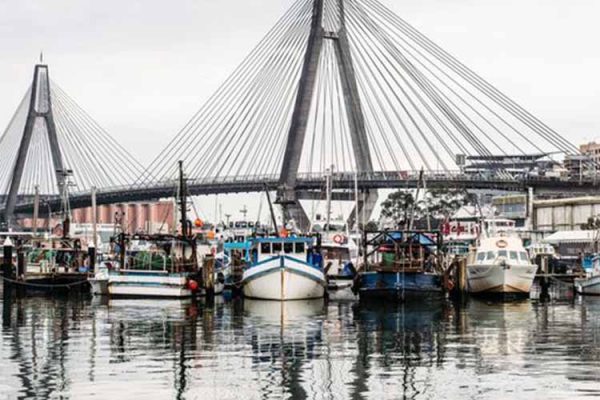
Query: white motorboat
[280,268]
[591,283]
[500,265]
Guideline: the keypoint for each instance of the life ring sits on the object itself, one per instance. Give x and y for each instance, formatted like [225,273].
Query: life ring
[501,243]
[339,239]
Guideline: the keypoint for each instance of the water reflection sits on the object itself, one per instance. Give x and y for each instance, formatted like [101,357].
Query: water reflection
[84,347]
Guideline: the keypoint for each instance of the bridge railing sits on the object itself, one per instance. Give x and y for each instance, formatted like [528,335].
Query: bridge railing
[255,181]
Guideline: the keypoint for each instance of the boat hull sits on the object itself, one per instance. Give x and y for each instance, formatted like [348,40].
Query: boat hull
[99,286]
[148,285]
[283,278]
[498,279]
[588,286]
[398,285]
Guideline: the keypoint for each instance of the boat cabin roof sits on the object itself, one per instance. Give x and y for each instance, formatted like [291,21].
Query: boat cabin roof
[248,244]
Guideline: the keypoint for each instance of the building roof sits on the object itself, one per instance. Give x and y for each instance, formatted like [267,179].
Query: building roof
[568,201]
[571,237]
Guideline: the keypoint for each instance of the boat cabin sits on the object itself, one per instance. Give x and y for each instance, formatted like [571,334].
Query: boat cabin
[256,250]
[403,251]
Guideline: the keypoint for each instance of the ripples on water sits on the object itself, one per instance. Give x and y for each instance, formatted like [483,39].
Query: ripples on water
[81,348]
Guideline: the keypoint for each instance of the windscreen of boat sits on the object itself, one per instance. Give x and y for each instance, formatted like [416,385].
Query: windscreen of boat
[513,256]
[277,247]
[288,247]
[502,253]
[491,255]
[265,248]
[480,257]
[300,247]
[336,253]
[524,257]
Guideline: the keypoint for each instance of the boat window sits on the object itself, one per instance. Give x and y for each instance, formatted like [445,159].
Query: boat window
[480,257]
[524,257]
[276,247]
[288,247]
[491,255]
[299,247]
[502,253]
[513,255]
[265,248]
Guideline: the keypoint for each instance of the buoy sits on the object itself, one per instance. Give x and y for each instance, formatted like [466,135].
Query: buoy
[283,233]
[198,223]
[192,285]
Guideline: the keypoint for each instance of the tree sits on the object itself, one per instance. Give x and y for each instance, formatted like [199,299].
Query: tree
[592,223]
[400,206]
[370,226]
[397,207]
[443,203]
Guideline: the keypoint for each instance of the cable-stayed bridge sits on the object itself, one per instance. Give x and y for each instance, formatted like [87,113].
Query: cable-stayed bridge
[342,83]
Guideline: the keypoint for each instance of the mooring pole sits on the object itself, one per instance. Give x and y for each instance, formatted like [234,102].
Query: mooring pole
[208,276]
[462,277]
[92,257]
[92,249]
[20,260]
[36,210]
[545,281]
[7,254]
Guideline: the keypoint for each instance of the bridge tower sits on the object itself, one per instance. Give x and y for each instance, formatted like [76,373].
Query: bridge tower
[287,194]
[39,116]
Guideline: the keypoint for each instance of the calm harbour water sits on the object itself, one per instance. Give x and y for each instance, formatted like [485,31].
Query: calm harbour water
[82,348]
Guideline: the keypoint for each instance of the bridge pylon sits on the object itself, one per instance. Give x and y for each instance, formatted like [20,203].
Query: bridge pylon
[49,137]
[39,112]
[287,195]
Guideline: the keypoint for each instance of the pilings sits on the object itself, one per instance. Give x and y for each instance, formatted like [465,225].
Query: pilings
[545,280]
[92,258]
[7,254]
[461,278]
[208,276]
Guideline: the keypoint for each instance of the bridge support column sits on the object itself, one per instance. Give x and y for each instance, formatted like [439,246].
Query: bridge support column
[356,119]
[286,195]
[40,106]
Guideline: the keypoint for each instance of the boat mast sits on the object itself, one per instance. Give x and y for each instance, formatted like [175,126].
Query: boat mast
[328,176]
[273,220]
[356,202]
[66,206]
[182,202]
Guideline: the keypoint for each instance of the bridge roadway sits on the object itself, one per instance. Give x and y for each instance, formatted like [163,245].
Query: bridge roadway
[309,184]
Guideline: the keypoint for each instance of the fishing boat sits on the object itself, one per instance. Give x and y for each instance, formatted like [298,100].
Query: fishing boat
[150,266]
[500,264]
[155,266]
[279,268]
[591,283]
[400,264]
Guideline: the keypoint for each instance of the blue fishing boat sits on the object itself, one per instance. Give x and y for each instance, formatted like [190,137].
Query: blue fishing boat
[400,264]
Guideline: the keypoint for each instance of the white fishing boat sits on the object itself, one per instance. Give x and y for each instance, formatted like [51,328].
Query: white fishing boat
[153,266]
[151,272]
[591,283]
[278,268]
[500,264]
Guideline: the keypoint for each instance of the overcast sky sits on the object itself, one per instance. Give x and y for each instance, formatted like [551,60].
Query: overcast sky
[142,68]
